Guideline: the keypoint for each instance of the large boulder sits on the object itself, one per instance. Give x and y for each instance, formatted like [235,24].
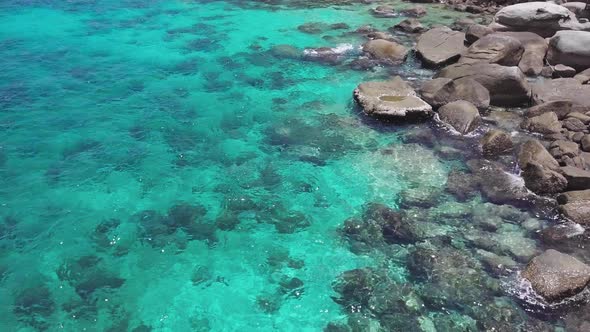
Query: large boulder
[570,48]
[393,99]
[441,91]
[494,48]
[440,46]
[561,89]
[385,50]
[535,47]
[543,18]
[461,115]
[555,276]
[507,85]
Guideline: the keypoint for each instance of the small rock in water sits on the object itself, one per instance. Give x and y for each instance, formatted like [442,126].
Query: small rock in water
[410,25]
[555,276]
[496,142]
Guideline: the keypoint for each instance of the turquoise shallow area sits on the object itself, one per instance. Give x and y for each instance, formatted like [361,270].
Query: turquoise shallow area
[121,120]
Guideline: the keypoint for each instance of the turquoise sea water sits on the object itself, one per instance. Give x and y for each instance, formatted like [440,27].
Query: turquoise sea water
[165,166]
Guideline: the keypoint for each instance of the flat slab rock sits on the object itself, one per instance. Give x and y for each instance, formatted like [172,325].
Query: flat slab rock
[562,89]
[555,276]
[393,99]
[440,46]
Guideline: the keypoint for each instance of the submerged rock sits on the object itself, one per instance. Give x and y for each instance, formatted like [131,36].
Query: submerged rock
[393,99]
[555,276]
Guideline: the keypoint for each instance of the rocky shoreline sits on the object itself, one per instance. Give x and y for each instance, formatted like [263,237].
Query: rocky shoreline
[533,56]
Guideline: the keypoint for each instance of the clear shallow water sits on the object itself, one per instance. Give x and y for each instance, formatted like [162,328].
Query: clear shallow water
[161,168]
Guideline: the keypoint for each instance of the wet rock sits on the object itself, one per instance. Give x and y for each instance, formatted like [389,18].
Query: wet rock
[383,11]
[499,186]
[385,50]
[542,180]
[561,232]
[462,115]
[556,276]
[562,71]
[440,46]
[570,48]
[578,212]
[410,25]
[324,55]
[543,18]
[381,35]
[475,32]
[393,99]
[496,142]
[546,123]
[494,48]
[441,91]
[507,85]
[577,179]
[416,11]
